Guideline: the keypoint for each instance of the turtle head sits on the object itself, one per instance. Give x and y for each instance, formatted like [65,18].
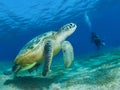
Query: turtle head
[66,31]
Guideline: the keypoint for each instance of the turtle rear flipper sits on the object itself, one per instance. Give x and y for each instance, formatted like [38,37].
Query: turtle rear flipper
[8,72]
[68,53]
[12,70]
[48,55]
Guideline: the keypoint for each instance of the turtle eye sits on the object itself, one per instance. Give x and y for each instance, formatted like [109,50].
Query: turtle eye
[72,25]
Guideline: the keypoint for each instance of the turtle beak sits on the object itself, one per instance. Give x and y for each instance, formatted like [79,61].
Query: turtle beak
[71,27]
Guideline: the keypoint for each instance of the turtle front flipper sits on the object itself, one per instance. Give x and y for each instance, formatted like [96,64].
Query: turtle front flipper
[68,53]
[48,55]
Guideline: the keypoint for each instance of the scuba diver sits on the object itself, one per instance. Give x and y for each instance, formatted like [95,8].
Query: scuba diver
[96,40]
[94,37]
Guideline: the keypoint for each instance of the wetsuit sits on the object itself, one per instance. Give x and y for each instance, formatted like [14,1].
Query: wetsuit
[96,40]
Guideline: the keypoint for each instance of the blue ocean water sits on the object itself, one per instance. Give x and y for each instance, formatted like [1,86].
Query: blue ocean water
[21,20]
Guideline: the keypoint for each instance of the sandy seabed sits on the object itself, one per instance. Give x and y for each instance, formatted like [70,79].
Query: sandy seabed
[94,72]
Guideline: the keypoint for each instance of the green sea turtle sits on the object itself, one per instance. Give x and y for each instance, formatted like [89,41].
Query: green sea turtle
[42,48]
